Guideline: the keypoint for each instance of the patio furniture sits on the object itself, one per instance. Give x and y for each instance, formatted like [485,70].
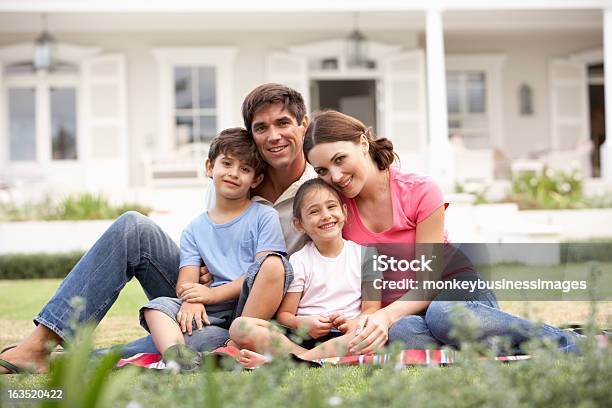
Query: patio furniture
[471,165]
[183,167]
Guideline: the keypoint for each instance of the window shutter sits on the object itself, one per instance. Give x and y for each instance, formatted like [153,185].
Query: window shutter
[105,122]
[569,105]
[404,107]
[290,70]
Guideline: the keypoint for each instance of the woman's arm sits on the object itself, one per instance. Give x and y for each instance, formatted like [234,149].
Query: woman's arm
[375,332]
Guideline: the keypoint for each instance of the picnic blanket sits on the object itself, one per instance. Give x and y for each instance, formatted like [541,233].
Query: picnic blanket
[438,357]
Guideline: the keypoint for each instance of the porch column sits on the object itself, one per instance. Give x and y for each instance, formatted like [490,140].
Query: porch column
[606,148]
[439,162]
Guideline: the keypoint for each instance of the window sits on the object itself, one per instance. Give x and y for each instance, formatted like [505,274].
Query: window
[63,123]
[42,114]
[467,107]
[22,123]
[195,100]
[196,85]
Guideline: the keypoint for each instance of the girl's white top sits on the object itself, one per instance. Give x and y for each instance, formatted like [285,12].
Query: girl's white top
[328,284]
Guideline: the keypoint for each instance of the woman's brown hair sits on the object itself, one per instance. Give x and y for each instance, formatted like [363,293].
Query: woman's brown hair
[333,126]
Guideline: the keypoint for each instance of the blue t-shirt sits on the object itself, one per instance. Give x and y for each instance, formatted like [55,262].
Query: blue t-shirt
[229,249]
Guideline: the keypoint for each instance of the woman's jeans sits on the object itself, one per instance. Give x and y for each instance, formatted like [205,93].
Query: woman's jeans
[434,328]
[133,246]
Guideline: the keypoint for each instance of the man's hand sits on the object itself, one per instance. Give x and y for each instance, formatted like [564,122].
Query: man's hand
[205,276]
[196,293]
[317,325]
[190,312]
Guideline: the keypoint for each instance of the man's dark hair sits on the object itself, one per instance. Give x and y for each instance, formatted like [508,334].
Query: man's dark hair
[269,94]
[238,143]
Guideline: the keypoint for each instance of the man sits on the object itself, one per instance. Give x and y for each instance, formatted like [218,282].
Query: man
[134,246]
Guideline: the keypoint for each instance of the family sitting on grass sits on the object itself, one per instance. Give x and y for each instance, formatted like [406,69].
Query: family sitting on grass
[265,202]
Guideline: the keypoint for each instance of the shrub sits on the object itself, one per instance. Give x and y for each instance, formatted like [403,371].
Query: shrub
[84,206]
[548,190]
[36,266]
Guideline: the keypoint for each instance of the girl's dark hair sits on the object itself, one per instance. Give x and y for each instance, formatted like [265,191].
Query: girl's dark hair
[315,183]
[332,126]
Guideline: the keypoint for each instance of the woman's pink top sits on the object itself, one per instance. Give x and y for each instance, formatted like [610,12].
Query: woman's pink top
[414,197]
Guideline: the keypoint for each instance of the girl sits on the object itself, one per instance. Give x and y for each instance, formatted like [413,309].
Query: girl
[388,206]
[325,298]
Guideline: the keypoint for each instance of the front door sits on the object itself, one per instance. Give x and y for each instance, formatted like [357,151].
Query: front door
[356,98]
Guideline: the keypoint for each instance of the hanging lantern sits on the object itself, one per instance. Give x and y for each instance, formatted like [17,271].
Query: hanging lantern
[43,49]
[356,52]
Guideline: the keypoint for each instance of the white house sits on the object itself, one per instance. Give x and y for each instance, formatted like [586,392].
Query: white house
[519,83]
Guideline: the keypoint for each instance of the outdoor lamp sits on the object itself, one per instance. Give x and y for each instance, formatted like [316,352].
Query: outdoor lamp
[43,49]
[356,52]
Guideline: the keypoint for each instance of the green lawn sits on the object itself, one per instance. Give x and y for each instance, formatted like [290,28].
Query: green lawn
[22,299]
[549,379]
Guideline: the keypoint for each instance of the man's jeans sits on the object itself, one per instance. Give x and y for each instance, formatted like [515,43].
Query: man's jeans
[133,246]
[434,328]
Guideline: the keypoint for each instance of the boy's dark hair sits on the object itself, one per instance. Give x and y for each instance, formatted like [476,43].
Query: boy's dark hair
[268,94]
[312,184]
[238,143]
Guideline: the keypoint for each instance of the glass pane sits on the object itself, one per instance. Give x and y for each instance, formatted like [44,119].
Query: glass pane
[183,87]
[183,130]
[453,89]
[63,124]
[206,88]
[22,123]
[207,128]
[476,92]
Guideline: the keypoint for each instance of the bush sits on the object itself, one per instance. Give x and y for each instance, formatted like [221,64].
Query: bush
[548,190]
[36,266]
[84,206]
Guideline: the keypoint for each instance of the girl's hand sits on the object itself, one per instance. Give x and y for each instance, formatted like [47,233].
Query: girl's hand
[371,334]
[190,312]
[340,322]
[317,325]
[197,293]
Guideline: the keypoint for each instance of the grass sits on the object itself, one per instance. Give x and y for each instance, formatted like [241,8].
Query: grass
[548,380]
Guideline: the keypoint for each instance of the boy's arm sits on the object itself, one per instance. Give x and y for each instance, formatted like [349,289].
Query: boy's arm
[187,274]
[198,293]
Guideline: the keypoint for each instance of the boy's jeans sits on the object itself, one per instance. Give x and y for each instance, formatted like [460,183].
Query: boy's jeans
[133,246]
[433,329]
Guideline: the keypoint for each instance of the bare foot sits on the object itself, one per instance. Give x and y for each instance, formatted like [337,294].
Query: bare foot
[603,340]
[251,359]
[29,359]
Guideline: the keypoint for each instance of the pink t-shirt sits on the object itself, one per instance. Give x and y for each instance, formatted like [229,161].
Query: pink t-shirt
[414,197]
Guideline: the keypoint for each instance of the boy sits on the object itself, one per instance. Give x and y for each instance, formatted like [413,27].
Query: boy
[236,239]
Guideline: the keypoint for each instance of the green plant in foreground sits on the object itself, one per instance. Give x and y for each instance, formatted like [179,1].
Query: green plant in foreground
[86,381]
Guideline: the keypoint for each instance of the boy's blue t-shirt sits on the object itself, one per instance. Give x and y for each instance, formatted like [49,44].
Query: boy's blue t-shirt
[229,249]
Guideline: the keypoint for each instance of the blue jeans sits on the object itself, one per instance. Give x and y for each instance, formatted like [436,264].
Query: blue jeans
[432,330]
[133,246]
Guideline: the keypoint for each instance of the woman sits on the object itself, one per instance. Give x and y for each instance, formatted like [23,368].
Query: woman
[387,207]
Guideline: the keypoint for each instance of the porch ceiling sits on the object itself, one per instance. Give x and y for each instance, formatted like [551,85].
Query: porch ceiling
[454,20]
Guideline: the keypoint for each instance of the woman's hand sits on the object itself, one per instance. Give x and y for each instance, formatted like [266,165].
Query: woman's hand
[190,312]
[317,325]
[371,334]
[197,293]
